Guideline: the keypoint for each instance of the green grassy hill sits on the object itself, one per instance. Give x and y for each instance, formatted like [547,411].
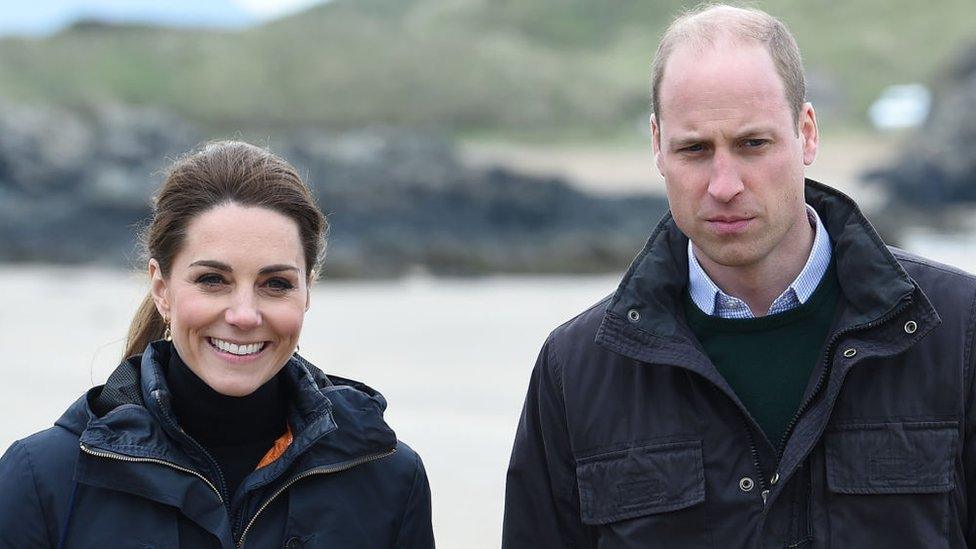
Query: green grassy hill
[510,67]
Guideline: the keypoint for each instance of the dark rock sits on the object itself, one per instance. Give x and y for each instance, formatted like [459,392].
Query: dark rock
[399,201]
[75,186]
[938,165]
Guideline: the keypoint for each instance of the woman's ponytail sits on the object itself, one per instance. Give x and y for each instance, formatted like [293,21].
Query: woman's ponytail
[147,326]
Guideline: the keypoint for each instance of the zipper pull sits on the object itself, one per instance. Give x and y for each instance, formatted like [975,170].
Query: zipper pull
[765,496]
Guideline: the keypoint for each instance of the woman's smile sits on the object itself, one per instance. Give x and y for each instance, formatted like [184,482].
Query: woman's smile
[237,351]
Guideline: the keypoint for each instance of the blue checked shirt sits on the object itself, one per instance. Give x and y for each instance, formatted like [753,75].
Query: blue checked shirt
[713,301]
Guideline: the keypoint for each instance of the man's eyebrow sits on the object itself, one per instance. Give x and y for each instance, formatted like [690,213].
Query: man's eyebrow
[221,266]
[755,131]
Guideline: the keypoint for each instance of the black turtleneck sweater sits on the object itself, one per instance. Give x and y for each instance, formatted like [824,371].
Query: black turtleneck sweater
[236,431]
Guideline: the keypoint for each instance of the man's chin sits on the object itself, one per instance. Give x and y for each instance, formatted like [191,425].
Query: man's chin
[729,255]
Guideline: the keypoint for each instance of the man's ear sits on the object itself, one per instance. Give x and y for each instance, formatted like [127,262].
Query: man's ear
[158,289]
[809,133]
[656,142]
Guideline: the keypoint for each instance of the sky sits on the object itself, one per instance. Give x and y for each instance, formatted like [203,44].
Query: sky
[269,9]
[40,17]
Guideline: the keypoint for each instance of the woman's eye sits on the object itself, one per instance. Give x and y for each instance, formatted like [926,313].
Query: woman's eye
[279,284]
[210,279]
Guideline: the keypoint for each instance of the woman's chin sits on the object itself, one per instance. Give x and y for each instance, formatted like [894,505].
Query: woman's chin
[234,387]
[234,382]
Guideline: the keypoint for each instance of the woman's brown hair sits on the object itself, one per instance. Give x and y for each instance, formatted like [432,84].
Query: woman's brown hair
[217,173]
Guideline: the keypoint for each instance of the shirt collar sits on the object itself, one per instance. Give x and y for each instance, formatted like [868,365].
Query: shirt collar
[713,301]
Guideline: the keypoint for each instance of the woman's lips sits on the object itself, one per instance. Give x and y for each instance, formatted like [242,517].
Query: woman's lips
[238,359]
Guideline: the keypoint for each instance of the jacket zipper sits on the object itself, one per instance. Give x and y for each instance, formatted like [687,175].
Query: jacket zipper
[316,471]
[122,457]
[828,366]
[821,381]
[755,460]
[213,462]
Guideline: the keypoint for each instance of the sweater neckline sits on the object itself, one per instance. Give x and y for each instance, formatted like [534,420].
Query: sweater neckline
[823,295]
[215,419]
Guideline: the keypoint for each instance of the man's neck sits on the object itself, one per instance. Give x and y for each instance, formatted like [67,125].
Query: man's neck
[760,283]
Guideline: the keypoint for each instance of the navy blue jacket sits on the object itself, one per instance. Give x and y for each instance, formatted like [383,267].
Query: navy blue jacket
[117,471]
[631,438]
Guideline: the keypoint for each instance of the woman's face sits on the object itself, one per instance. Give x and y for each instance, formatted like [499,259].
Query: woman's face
[236,296]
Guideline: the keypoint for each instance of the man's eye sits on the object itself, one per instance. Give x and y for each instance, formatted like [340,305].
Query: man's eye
[697,147]
[210,279]
[279,284]
[755,143]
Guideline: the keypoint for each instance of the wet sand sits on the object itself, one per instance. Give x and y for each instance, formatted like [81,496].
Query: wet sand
[452,357]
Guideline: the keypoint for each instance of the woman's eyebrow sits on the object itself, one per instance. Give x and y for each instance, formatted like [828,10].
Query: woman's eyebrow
[221,266]
[277,269]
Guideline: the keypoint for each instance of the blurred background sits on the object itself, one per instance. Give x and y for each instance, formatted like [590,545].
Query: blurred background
[485,166]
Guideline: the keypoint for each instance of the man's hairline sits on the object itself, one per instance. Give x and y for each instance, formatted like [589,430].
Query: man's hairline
[725,39]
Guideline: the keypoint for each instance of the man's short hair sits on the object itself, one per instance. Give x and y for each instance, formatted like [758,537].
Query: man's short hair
[709,25]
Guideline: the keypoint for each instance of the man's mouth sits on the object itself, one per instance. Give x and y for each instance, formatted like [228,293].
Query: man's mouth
[729,224]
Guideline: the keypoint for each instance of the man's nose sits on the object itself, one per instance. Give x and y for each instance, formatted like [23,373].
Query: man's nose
[243,311]
[725,182]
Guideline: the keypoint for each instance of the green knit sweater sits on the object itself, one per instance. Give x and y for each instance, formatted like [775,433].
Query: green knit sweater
[768,360]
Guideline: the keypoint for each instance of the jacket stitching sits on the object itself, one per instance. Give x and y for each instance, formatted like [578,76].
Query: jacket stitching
[554,365]
[557,372]
[968,366]
[968,355]
[921,262]
[37,492]
[406,508]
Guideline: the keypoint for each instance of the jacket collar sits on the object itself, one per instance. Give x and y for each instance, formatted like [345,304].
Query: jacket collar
[644,318]
[138,388]
[334,421]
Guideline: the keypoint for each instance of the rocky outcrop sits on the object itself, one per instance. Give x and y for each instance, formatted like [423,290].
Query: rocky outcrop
[74,187]
[937,167]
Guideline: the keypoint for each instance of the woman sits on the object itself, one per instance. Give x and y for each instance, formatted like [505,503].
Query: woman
[218,434]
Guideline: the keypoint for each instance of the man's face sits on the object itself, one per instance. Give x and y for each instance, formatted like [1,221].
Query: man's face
[726,143]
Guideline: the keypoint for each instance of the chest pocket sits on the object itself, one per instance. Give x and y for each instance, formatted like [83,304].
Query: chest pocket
[654,492]
[889,482]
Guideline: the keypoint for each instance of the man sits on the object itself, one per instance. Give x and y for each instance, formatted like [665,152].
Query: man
[768,373]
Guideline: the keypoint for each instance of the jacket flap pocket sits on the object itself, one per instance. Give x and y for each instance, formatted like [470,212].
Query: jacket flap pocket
[892,458]
[640,481]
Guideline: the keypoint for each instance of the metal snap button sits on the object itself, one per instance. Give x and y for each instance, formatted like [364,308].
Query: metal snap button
[746,484]
[850,352]
[774,479]
[910,327]
[633,315]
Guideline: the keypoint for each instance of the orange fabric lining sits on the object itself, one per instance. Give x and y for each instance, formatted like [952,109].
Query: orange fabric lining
[279,447]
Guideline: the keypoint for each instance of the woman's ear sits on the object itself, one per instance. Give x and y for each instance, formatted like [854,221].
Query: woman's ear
[158,289]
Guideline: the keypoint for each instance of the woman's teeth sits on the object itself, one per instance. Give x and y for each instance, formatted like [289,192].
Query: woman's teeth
[236,349]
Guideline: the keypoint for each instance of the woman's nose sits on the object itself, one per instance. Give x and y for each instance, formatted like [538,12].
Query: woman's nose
[243,312]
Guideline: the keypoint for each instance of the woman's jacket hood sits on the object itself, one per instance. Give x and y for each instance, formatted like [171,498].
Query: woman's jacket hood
[132,415]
